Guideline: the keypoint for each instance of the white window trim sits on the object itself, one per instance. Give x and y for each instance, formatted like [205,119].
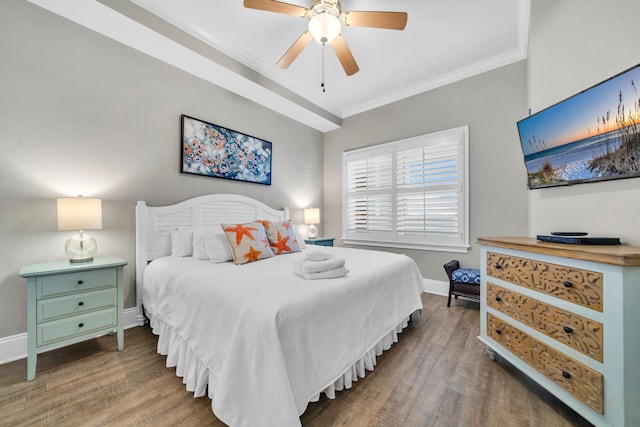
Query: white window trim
[461,132]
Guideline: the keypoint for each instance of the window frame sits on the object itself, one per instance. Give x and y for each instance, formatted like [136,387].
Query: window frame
[458,136]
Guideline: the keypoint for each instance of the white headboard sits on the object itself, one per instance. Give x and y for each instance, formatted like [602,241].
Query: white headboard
[154,224]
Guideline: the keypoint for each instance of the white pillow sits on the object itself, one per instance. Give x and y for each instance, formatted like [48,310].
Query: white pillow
[199,249]
[217,247]
[181,241]
[299,237]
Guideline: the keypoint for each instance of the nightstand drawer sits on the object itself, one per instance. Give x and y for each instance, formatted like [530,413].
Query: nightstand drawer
[70,305]
[58,330]
[60,284]
[571,284]
[320,241]
[577,332]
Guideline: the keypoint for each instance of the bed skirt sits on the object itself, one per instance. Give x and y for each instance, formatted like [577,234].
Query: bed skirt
[196,376]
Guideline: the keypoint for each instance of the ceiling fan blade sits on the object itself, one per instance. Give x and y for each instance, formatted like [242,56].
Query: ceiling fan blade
[388,20]
[276,6]
[344,55]
[295,49]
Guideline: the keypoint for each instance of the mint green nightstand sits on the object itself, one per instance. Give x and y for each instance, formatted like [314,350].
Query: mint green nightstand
[320,241]
[68,303]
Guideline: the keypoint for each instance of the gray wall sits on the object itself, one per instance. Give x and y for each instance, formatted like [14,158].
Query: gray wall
[82,114]
[491,104]
[574,44]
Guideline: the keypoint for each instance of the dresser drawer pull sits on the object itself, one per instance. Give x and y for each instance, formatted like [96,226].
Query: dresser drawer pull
[567,284]
[497,266]
[81,303]
[566,374]
[80,325]
[80,282]
[567,329]
[498,298]
[498,331]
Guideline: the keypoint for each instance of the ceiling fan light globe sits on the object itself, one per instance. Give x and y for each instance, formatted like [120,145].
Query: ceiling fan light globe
[324,27]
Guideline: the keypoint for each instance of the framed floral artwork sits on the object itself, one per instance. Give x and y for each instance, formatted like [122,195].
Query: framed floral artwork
[215,151]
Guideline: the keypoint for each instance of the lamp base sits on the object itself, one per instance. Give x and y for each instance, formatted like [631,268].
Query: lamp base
[80,261]
[312,231]
[81,248]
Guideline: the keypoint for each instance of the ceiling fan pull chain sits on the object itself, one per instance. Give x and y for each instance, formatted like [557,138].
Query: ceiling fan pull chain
[322,84]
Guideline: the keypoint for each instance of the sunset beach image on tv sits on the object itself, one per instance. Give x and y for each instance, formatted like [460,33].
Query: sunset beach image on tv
[591,136]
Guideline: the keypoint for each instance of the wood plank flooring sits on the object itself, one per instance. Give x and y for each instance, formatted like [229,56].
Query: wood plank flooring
[436,375]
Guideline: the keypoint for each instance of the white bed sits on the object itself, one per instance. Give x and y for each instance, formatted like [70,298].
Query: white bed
[260,341]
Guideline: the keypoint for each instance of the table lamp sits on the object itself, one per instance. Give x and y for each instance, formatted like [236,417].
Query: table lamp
[311,218]
[80,213]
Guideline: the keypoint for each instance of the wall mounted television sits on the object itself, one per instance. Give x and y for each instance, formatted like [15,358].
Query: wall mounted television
[591,136]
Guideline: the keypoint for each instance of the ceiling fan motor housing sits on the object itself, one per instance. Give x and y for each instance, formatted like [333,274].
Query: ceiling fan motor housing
[324,20]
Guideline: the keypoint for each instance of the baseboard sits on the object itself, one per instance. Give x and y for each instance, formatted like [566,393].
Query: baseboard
[14,347]
[437,287]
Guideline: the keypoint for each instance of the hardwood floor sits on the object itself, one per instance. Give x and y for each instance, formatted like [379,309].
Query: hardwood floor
[436,375]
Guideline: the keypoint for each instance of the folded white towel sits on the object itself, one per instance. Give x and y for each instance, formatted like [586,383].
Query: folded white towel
[305,266]
[329,274]
[317,256]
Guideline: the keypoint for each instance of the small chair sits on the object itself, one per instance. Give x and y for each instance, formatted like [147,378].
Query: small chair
[464,282]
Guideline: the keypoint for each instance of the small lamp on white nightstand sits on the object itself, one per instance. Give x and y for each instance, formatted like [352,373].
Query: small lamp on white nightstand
[311,218]
[80,213]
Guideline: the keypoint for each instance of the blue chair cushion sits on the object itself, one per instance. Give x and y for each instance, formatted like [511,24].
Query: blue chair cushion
[467,275]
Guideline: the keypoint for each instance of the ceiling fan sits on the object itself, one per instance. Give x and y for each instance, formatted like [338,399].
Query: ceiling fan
[326,19]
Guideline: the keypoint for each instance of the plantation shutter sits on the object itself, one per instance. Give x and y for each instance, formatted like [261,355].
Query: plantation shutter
[409,193]
[370,205]
[427,193]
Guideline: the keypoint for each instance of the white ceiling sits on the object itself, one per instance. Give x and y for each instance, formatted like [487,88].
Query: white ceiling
[444,41]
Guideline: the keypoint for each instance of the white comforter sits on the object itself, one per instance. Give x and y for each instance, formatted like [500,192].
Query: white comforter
[266,341]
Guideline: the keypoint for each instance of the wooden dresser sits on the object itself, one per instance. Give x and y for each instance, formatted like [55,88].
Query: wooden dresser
[568,316]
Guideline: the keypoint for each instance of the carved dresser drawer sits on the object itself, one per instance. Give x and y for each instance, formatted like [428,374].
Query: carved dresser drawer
[568,317]
[578,332]
[578,379]
[570,284]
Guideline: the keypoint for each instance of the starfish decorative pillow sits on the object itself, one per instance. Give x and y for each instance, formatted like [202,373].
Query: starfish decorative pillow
[281,237]
[248,242]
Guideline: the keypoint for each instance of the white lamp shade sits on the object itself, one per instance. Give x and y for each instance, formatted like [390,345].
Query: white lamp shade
[312,216]
[79,213]
[324,27]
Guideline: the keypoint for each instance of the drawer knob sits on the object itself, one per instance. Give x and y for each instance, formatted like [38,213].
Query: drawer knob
[566,374]
[497,266]
[81,303]
[498,298]
[567,329]
[567,284]
[498,331]
[80,282]
[80,325]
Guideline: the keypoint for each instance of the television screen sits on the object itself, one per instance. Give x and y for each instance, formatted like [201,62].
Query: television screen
[591,136]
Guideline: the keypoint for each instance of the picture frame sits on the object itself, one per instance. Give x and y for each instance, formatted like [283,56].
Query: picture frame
[211,150]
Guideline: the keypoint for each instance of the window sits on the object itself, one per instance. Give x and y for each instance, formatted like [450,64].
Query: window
[409,194]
